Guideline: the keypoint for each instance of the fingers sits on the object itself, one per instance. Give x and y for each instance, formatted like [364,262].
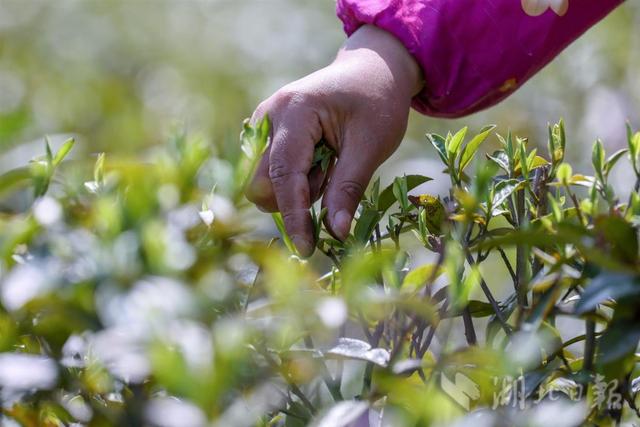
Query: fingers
[260,190]
[318,181]
[289,163]
[350,178]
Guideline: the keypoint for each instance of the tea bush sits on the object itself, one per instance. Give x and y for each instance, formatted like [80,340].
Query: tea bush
[138,294]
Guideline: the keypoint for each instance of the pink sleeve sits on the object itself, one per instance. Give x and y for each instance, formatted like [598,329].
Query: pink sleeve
[474,53]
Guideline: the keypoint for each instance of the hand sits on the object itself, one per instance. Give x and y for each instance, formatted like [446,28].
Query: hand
[360,106]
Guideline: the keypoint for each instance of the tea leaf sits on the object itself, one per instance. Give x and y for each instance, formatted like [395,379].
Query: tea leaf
[456,143]
[439,144]
[607,286]
[476,309]
[63,151]
[612,160]
[400,190]
[418,277]
[387,197]
[14,179]
[617,346]
[503,190]
[500,158]
[365,225]
[471,148]
[633,141]
[279,221]
[349,348]
[598,161]
[564,173]
[342,414]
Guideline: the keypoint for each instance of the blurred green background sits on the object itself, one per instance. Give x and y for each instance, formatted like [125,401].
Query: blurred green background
[119,74]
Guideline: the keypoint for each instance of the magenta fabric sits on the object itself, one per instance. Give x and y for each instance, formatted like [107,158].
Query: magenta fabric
[474,53]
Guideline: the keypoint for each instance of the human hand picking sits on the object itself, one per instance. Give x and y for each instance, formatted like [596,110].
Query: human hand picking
[359,105]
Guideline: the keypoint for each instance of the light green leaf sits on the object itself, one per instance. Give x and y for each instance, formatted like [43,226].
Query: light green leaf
[279,221]
[63,151]
[456,143]
[418,277]
[471,148]
[612,160]
[98,169]
[564,173]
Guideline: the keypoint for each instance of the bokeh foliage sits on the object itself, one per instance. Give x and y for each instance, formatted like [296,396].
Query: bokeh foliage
[133,293]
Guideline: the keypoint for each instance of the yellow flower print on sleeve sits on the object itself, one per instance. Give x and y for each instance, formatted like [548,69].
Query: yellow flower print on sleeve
[538,7]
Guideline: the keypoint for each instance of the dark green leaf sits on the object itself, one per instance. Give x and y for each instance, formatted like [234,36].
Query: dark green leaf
[620,236]
[597,159]
[503,190]
[400,191]
[607,286]
[477,309]
[617,344]
[365,225]
[440,145]
[500,158]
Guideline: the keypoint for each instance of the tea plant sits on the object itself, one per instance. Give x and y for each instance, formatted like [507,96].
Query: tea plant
[141,296]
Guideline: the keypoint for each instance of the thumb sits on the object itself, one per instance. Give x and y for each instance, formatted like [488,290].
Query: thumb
[350,178]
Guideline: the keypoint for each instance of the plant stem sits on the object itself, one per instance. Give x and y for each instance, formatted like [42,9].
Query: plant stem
[589,345]
[507,263]
[491,299]
[469,330]
[294,388]
[332,384]
[521,254]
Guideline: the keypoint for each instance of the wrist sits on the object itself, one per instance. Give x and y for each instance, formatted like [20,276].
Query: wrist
[379,44]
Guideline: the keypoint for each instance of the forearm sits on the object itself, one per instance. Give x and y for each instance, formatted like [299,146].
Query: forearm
[374,45]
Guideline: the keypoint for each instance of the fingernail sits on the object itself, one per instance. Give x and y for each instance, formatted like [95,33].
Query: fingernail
[341,224]
[305,248]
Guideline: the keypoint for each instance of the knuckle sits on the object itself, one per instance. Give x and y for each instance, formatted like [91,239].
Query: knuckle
[291,98]
[294,220]
[289,217]
[279,171]
[352,189]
